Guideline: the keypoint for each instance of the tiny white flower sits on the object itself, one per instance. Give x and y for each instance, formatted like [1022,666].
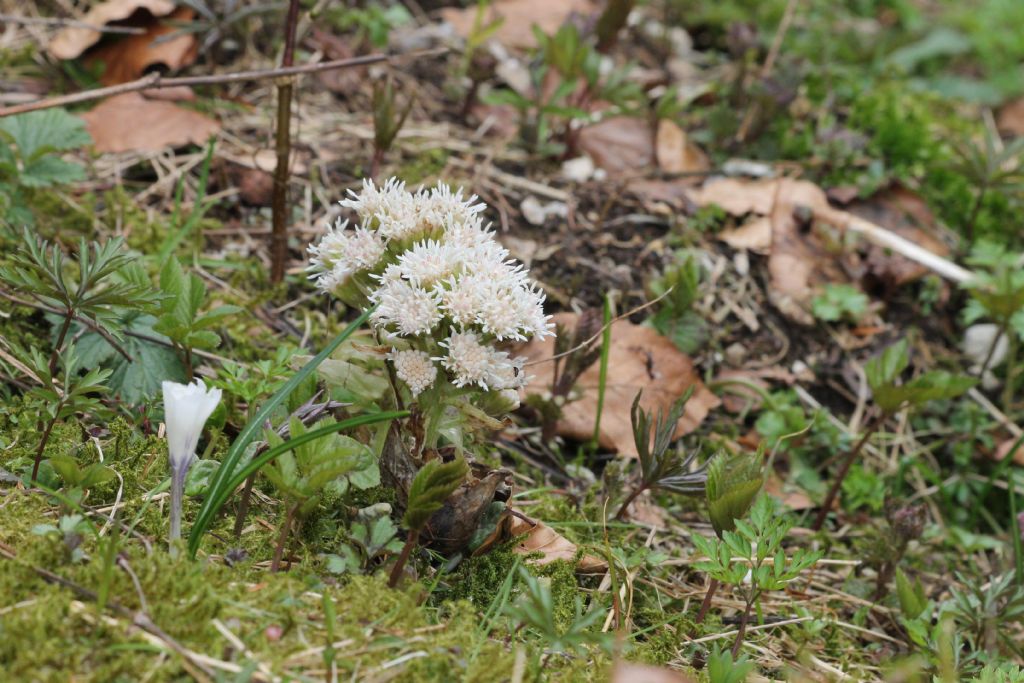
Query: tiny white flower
[411,310]
[415,368]
[187,407]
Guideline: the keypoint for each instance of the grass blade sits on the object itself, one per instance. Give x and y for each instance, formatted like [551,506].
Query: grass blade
[255,426]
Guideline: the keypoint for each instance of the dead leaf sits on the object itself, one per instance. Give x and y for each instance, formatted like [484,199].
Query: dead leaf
[340,81]
[675,152]
[755,235]
[519,17]
[631,672]
[71,42]
[906,214]
[1004,449]
[800,259]
[791,496]
[640,358]
[1010,119]
[621,145]
[646,511]
[540,538]
[131,123]
[130,57]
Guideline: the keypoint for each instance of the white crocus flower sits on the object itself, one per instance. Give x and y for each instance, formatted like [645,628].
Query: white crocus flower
[186,409]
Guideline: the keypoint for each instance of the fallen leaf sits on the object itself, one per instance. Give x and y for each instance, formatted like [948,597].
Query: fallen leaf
[255,187]
[640,358]
[130,57]
[621,145]
[540,538]
[340,81]
[518,18]
[800,259]
[646,511]
[1006,449]
[131,123]
[906,214]
[630,672]
[675,152]
[1010,119]
[754,235]
[71,42]
[791,496]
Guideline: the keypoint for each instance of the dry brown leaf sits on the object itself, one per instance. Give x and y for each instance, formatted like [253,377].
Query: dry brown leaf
[540,538]
[631,672]
[621,145]
[906,214]
[800,260]
[675,152]
[71,42]
[791,496]
[754,235]
[646,511]
[340,81]
[128,58]
[1010,119]
[132,123]
[519,17]
[1004,449]
[640,358]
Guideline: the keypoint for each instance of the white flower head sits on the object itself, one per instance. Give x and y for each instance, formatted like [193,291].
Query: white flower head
[342,253]
[408,309]
[187,407]
[415,368]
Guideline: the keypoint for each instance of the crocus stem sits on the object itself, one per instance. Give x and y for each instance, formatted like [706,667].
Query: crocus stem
[844,469]
[403,557]
[282,538]
[706,605]
[177,493]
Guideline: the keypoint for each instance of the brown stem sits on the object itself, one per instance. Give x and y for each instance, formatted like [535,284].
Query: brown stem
[154,81]
[243,505]
[376,161]
[43,441]
[744,620]
[403,557]
[625,504]
[279,236]
[282,539]
[844,469]
[706,605]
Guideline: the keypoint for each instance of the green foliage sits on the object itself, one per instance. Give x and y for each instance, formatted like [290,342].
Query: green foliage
[302,474]
[883,373]
[839,302]
[722,668]
[680,285]
[536,611]
[371,537]
[911,595]
[733,482]
[104,279]
[373,23]
[388,119]
[28,146]
[1000,673]
[180,318]
[430,489]
[997,290]
[66,391]
[752,557]
[136,380]
[987,609]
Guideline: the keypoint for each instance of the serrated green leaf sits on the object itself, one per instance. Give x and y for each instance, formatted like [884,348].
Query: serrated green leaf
[47,130]
[47,171]
[886,368]
[430,489]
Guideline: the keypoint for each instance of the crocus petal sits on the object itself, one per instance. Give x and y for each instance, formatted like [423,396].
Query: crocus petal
[186,409]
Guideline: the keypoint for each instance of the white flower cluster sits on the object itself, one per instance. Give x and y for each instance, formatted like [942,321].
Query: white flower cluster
[440,281]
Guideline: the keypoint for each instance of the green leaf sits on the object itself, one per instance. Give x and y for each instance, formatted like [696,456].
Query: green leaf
[911,595]
[197,483]
[430,489]
[733,483]
[48,130]
[67,469]
[151,363]
[47,171]
[96,474]
[885,369]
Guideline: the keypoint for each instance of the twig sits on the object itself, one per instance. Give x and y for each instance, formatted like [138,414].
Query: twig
[71,23]
[155,81]
[283,145]
[107,337]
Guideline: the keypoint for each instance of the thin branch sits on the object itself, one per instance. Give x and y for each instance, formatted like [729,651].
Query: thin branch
[107,337]
[283,147]
[70,23]
[155,81]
